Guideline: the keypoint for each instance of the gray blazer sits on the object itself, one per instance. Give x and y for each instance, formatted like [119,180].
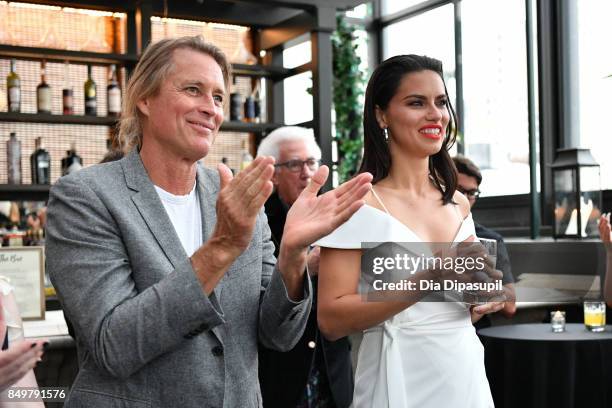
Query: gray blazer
[147,335]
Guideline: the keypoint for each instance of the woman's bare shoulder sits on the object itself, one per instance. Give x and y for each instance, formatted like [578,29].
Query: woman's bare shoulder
[372,201]
[463,203]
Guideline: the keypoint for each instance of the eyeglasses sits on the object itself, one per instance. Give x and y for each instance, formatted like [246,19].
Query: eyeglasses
[469,193]
[296,166]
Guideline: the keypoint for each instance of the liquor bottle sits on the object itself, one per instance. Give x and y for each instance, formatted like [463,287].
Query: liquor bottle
[113,94]
[13,86]
[13,156]
[225,161]
[40,164]
[257,106]
[256,103]
[43,92]
[67,93]
[246,156]
[249,109]
[235,106]
[91,105]
[72,162]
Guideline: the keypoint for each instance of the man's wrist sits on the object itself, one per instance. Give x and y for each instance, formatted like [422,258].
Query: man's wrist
[292,266]
[292,256]
[211,261]
[292,261]
[223,248]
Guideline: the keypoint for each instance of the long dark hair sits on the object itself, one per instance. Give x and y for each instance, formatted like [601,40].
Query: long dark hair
[381,88]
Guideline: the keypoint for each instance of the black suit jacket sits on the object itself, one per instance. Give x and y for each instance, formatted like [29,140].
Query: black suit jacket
[502,264]
[283,376]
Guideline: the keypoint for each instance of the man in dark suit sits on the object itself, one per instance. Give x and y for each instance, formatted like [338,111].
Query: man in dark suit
[316,372]
[469,178]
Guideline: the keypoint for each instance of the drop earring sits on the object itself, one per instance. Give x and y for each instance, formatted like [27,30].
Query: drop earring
[386,134]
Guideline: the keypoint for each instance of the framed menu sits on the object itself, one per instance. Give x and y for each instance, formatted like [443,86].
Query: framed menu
[24,267]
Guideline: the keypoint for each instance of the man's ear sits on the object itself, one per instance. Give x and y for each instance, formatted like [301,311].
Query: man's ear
[380,117]
[275,178]
[143,106]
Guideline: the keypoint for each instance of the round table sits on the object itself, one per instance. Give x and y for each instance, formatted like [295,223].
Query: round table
[530,366]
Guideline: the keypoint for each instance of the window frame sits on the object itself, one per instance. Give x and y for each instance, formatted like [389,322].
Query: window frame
[547,86]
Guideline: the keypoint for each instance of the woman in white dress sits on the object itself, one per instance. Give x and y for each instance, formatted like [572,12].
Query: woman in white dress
[413,353]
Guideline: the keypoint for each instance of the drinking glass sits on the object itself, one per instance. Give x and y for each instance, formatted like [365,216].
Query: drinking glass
[557,321]
[478,298]
[595,316]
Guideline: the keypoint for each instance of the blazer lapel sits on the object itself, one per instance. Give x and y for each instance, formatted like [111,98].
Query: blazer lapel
[207,190]
[151,209]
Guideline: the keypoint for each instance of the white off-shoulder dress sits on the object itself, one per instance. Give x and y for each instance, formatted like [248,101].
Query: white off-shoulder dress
[425,356]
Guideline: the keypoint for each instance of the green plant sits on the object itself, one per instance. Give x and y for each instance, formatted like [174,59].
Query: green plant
[348,92]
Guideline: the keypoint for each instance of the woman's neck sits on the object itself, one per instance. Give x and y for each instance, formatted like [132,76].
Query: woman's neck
[408,173]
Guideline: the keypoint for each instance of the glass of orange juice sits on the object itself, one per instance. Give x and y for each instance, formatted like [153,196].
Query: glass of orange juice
[595,316]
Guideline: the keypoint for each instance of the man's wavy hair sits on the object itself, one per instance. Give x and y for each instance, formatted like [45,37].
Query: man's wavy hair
[152,69]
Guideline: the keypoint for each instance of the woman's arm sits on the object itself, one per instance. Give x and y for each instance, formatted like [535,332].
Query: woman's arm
[16,363]
[340,309]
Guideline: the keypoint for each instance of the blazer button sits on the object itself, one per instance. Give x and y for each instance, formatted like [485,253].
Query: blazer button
[312,344]
[217,351]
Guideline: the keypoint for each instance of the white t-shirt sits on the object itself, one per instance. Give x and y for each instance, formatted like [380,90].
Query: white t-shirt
[184,212]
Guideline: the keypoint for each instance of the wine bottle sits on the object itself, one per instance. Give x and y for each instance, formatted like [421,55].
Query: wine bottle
[40,164]
[257,106]
[247,158]
[43,92]
[13,156]
[67,93]
[225,161]
[13,86]
[256,103]
[113,93]
[91,105]
[72,162]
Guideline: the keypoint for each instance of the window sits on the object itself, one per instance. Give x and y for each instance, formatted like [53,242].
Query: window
[361,11]
[393,6]
[297,55]
[496,126]
[416,35]
[595,66]
[298,102]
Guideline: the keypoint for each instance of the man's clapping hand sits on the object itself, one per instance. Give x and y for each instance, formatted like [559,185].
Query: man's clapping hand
[313,216]
[240,201]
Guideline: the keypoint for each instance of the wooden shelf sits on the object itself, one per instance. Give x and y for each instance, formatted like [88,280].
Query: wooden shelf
[58,119]
[228,126]
[234,126]
[24,192]
[80,57]
[262,71]
[97,58]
